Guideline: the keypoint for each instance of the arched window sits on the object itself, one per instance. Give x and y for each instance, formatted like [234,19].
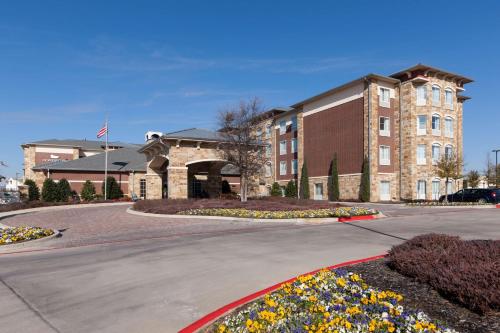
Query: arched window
[436,124]
[448,127]
[422,95]
[448,151]
[436,95]
[448,98]
[436,153]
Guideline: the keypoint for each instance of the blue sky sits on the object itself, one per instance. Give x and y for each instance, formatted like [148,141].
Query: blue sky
[168,65]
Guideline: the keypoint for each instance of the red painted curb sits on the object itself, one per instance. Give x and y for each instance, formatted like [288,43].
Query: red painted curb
[356,218]
[226,308]
[498,206]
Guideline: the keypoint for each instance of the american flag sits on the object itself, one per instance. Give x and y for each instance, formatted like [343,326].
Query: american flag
[102,131]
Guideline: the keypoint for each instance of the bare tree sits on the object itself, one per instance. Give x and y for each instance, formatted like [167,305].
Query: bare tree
[449,166]
[242,146]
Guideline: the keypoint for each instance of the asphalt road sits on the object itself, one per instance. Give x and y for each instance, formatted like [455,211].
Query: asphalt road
[170,273]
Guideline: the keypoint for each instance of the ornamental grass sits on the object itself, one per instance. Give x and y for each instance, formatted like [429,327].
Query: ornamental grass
[280,214]
[328,301]
[24,233]
[465,272]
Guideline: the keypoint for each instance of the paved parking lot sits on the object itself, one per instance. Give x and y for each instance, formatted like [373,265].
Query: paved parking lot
[139,274]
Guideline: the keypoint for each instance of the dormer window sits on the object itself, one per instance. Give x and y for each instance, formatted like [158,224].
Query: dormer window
[282,127]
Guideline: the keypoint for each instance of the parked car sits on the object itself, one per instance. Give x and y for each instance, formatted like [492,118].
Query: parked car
[9,197]
[481,195]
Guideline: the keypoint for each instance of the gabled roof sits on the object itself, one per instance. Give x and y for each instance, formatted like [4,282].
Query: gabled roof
[122,159]
[195,134]
[85,144]
[425,68]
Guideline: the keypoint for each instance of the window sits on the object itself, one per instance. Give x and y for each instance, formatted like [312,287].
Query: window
[436,96]
[421,158]
[282,168]
[259,133]
[294,167]
[385,190]
[448,152]
[421,95]
[435,190]
[385,126]
[448,98]
[421,125]
[268,131]
[268,169]
[283,147]
[385,97]
[385,155]
[142,188]
[448,127]
[436,153]
[282,127]
[294,123]
[421,189]
[294,145]
[318,191]
[449,187]
[268,150]
[436,125]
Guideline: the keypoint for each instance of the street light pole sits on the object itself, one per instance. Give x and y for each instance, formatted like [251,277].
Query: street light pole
[496,166]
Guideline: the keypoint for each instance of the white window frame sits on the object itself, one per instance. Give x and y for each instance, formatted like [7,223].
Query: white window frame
[421,92]
[436,131]
[448,151]
[316,195]
[385,97]
[385,196]
[435,158]
[436,195]
[448,103]
[295,167]
[421,160]
[384,160]
[387,123]
[294,145]
[421,191]
[283,147]
[449,187]
[436,101]
[282,127]
[421,131]
[294,123]
[283,168]
[448,127]
[268,131]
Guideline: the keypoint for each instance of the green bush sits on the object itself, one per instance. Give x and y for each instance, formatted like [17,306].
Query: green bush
[113,189]
[364,193]
[226,188]
[33,191]
[291,189]
[50,191]
[304,183]
[88,191]
[64,190]
[333,182]
[276,190]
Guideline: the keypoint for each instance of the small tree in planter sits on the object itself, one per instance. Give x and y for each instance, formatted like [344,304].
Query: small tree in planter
[33,191]
[64,190]
[50,191]
[449,167]
[113,189]
[304,182]
[276,190]
[291,189]
[88,191]
[364,192]
[473,178]
[333,182]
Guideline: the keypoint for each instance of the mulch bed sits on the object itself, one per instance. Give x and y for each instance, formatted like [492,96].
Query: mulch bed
[173,206]
[422,297]
[37,204]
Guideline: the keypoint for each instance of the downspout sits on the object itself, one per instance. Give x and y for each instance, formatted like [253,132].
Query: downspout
[369,134]
[400,143]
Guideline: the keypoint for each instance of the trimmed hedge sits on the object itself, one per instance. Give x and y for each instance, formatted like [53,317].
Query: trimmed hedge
[466,272]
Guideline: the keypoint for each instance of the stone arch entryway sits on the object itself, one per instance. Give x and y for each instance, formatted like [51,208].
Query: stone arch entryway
[204,178]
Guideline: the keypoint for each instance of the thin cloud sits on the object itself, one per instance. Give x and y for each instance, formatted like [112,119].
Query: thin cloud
[52,114]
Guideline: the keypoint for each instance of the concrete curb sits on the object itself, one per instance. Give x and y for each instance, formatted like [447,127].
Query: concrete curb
[62,207]
[461,206]
[9,247]
[213,316]
[244,219]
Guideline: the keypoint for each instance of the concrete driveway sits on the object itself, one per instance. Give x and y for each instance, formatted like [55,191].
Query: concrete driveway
[116,272]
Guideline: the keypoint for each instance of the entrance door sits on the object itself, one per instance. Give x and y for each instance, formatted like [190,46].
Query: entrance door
[435,190]
[318,191]
[385,190]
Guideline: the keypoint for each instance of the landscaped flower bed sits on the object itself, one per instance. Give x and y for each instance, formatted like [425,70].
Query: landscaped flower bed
[24,233]
[281,214]
[328,301]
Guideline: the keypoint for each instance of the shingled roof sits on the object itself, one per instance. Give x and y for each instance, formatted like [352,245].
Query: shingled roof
[85,144]
[195,134]
[122,159]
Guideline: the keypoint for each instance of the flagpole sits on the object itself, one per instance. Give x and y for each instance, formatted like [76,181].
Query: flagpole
[106,164]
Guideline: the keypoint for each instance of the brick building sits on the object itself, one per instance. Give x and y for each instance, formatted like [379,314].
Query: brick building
[402,123]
